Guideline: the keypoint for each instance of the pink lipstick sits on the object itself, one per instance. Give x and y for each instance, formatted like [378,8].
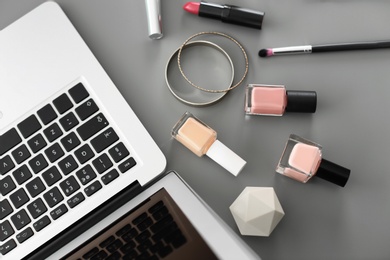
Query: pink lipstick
[226,13]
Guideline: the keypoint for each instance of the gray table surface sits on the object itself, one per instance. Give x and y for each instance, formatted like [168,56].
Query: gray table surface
[322,221]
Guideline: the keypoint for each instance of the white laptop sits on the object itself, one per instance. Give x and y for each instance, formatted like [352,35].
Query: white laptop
[72,151]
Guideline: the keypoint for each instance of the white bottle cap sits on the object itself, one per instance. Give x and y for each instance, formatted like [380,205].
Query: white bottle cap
[225,157]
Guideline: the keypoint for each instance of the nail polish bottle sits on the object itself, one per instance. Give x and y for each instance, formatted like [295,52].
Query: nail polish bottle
[302,159]
[201,140]
[275,100]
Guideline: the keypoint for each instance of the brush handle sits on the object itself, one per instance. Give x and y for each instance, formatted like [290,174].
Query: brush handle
[351,46]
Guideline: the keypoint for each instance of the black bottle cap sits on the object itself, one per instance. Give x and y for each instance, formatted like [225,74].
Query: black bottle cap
[301,101]
[333,173]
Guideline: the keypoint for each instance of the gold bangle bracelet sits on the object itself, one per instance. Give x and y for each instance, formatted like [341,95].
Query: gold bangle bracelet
[219,34]
[210,98]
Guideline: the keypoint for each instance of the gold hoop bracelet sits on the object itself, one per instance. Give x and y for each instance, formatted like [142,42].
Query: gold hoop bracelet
[211,97]
[219,34]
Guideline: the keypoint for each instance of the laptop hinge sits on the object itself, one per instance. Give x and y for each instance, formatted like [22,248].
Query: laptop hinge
[86,222]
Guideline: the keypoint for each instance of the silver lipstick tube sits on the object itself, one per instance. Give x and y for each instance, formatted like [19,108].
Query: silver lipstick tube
[153,13]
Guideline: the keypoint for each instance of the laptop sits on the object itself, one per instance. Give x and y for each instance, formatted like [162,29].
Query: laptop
[75,161]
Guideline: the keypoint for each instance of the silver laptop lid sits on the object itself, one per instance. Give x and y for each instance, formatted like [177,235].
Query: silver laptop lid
[201,228]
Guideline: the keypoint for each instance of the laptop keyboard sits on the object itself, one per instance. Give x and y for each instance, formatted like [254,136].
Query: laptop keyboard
[53,161]
[155,229]
[152,235]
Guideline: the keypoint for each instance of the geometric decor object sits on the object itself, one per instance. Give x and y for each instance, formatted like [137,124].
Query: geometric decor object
[257,211]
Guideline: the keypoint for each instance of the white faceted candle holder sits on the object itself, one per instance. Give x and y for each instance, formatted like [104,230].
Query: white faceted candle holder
[257,211]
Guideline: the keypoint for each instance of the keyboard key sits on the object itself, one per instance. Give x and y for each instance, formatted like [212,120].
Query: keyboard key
[76,200]
[6,164]
[87,109]
[7,247]
[68,165]
[47,114]
[123,230]
[51,176]
[105,139]
[19,198]
[130,234]
[102,163]
[62,103]
[69,186]
[37,208]
[38,163]
[24,235]
[6,185]
[91,253]
[22,174]
[84,153]
[91,189]
[110,176]
[40,224]
[54,152]
[59,211]
[70,142]
[127,165]
[69,121]
[53,197]
[92,126]
[5,209]
[5,230]
[117,256]
[9,140]
[140,218]
[107,241]
[114,246]
[20,219]
[21,154]
[101,255]
[29,126]
[36,143]
[86,174]
[35,187]
[119,152]
[52,132]
[78,93]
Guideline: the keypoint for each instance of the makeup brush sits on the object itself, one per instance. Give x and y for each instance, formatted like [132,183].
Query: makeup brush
[324,48]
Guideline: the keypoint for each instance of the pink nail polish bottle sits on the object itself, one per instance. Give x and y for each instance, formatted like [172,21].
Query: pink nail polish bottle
[275,100]
[302,159]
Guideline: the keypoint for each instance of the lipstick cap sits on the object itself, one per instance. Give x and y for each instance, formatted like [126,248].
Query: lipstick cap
[333,173]
[301,101]
[225,157]
[242,16]
[153,13]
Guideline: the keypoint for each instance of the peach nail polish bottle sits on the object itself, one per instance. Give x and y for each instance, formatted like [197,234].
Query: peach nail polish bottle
[202,140]
[302,159]
[275,100]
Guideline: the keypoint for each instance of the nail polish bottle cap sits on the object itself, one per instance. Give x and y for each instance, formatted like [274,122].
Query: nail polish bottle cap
[301,101]
[333,173]
[225,157]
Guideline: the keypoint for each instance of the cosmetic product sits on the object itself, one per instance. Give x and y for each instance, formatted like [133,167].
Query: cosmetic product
[302,159]
[275,100]
[257,211]
[153,14]
[202,140]
[226,13]
[324,48]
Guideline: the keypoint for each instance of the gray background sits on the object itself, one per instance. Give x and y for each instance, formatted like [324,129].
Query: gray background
[322,221]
